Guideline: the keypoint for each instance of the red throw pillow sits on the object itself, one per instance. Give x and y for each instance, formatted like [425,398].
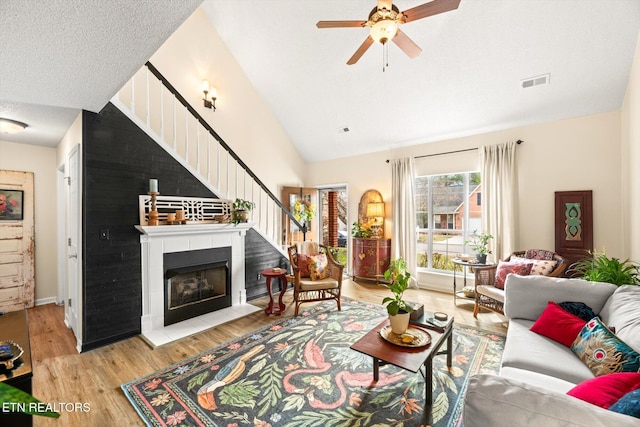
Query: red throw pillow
[303,265]
[505,268]
[558,325]
[606,390]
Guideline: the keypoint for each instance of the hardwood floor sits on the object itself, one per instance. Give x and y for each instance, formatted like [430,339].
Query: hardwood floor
[94,377]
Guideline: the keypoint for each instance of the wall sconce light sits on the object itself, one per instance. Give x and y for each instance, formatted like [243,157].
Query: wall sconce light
[376,211]
[210,95]
[11,126]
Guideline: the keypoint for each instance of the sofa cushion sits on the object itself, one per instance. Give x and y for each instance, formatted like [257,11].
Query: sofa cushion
[542,254]
[497,401]
[557,324]
[530,351]
[579,309]
[538,267]
[318,266]
[538,379]
[629,404]
[303,265]
[602,351]
[606,390]
[527,296]
[505,268]
[622,312]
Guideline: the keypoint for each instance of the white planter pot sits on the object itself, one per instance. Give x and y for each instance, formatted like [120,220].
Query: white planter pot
[399,323]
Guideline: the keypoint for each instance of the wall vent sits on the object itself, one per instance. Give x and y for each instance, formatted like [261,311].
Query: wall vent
[535,81]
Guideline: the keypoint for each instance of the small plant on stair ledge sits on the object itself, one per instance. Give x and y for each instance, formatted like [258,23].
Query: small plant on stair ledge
[241,209]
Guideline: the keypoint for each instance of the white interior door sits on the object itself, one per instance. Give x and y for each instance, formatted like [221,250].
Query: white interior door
[73,240]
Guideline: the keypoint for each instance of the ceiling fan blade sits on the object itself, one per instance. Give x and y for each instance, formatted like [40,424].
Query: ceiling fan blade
[340,24]
[384,4]
[407,45]
[429,9]
[361,50]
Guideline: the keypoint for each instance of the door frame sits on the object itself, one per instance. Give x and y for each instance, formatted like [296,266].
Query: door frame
[63,249]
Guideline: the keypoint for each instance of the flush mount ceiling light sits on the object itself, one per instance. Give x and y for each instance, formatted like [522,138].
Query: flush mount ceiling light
[11,126]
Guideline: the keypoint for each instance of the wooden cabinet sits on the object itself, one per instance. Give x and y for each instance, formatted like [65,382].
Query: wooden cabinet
[371,258]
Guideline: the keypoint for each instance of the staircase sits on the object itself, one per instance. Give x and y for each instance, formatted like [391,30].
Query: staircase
[155,106]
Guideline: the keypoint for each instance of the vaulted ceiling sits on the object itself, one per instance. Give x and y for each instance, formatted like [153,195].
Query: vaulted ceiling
[60,56]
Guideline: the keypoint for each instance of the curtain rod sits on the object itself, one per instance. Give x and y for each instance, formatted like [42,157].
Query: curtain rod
[451,152]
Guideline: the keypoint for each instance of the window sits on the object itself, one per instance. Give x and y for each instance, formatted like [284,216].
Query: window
[448,210]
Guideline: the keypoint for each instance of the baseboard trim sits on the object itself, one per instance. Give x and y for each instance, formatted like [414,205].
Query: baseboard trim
[49,300]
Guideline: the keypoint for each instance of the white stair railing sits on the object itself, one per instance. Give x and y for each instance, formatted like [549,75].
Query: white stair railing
[151,102]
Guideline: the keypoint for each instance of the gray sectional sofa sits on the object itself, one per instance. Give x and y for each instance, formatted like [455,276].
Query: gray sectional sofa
[536,372]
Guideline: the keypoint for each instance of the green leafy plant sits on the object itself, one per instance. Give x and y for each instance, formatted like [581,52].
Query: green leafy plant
[601,268]
[240,208]
[398,278]
[360,230]
[22,400]
[243,205]
[479,242]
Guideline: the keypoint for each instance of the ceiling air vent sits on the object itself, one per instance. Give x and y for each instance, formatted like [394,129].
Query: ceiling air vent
[535,81]
[343,129]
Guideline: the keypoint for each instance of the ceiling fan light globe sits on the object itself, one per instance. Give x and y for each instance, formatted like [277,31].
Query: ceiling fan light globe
[384,30]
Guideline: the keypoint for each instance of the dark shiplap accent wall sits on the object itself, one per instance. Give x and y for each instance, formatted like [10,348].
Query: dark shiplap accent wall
[118,161]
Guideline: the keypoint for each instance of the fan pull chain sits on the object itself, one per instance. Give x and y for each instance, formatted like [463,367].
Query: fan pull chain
[385,56]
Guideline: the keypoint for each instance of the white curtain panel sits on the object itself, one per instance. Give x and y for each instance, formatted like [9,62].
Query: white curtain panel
[404,212]
[498,169]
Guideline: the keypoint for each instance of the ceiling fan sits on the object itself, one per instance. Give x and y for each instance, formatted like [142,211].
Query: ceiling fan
[384,20]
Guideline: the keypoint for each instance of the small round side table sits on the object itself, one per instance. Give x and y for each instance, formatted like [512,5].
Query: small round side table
[280,274]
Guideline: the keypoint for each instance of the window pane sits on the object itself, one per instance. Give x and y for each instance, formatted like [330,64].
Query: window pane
[447,203]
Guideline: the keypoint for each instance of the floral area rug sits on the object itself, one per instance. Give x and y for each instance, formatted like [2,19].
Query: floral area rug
[301,372]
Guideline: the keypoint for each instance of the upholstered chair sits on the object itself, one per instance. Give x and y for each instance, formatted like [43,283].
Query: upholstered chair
[489,283]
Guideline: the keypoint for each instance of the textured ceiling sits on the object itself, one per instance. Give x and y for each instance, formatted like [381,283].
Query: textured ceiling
[60,56]
[466,81]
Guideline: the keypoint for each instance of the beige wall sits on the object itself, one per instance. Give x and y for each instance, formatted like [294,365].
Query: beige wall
[194,53]
[42,162]
[576,154]
[631,159]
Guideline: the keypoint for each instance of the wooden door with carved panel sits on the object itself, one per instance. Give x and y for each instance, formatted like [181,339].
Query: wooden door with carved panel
[17,247]
[574,225]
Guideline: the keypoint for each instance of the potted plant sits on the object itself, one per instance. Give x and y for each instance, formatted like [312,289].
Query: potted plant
[360,230]
[601,268]
[241,209]
[480,243]
[398,309]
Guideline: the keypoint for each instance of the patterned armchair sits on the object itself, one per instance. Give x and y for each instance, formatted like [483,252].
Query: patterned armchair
[489,283]
[317,276]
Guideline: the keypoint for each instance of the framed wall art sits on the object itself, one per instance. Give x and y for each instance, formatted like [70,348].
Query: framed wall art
[11,205]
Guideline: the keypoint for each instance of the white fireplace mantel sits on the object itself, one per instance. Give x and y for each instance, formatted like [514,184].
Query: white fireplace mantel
[155,242]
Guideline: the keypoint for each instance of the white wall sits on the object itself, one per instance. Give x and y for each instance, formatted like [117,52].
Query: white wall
[42,162]
[631,159]
[194,53]
[575,154]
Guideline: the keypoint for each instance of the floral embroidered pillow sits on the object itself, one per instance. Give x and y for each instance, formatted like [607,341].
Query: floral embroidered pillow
[602,351]
[318,266]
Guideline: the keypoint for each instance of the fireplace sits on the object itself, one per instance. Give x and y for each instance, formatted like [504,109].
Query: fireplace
[185,241]
[196,282]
